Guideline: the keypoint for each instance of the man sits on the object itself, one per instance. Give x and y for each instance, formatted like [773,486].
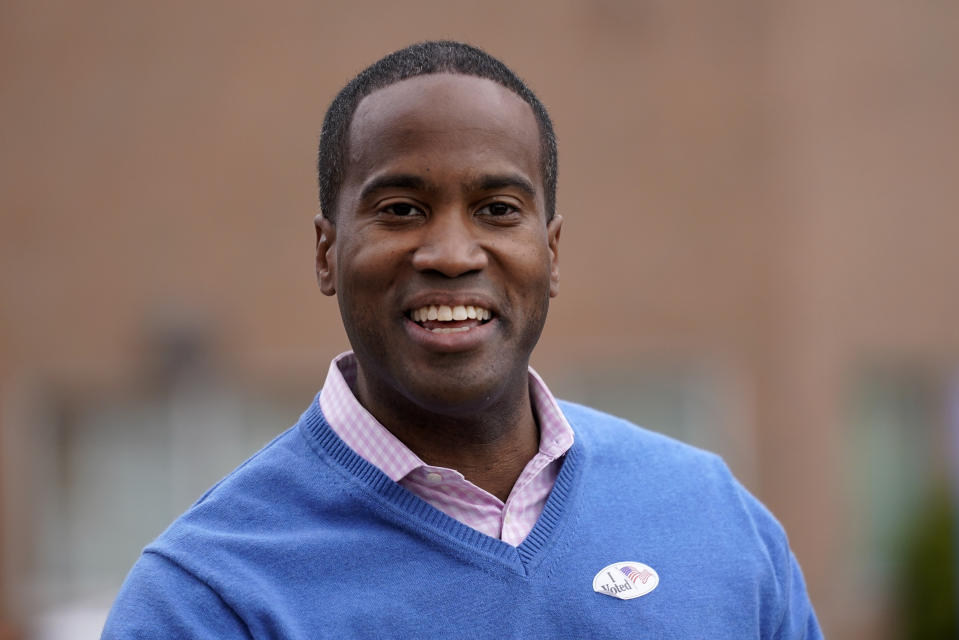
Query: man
[435,487]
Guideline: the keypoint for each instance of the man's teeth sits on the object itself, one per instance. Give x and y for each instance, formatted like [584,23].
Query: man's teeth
[446,313]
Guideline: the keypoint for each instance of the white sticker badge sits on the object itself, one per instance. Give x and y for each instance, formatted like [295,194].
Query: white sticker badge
[626,580]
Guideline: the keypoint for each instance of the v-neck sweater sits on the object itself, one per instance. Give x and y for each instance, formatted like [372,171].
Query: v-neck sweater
[445,488]
[309,540]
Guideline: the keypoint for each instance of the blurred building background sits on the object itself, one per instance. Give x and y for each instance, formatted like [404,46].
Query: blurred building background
[759,257]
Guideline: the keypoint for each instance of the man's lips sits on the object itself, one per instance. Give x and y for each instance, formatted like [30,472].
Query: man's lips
[450,325]
[450,336]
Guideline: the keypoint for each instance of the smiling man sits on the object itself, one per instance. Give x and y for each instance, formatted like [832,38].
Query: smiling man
[435,487]
[443,257]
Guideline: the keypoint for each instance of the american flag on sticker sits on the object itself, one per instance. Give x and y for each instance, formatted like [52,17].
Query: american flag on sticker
[634,575]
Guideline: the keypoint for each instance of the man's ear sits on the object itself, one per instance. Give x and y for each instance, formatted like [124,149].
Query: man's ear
[553,228]
[325,254]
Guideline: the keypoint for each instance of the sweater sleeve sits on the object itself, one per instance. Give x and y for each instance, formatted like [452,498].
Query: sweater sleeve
[794,617]
[799,620]
[159,599]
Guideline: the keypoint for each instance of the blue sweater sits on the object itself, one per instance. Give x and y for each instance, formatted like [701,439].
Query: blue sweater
[308,540]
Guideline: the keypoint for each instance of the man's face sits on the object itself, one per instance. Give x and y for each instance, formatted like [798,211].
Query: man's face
[440,216]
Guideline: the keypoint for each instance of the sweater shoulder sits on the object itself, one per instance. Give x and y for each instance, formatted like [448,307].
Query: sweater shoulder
[609,436]
[617,446]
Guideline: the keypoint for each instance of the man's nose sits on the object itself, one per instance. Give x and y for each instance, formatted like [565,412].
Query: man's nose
[450,245]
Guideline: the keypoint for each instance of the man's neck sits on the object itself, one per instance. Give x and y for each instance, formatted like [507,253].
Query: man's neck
[489,445]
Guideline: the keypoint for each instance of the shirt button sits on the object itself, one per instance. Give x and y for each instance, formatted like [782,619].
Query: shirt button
[434,478]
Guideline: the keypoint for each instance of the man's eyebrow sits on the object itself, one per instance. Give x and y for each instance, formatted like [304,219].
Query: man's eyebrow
[416,183]
[494,182]
[393,181]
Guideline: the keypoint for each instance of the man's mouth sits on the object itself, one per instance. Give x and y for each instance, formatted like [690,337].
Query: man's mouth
[441,318]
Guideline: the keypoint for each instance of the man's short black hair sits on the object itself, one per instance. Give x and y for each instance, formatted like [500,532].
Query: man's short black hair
[420,59]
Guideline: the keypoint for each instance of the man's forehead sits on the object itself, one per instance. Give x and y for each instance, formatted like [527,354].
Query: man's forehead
[467,121]
[460,100]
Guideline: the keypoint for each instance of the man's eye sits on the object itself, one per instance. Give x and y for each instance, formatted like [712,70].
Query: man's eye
[402,209]
[498,209]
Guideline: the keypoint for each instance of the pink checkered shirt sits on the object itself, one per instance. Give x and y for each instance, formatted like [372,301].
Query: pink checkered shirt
[447,489]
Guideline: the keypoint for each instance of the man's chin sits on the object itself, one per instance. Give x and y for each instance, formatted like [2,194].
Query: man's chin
[458,384]
[455,393]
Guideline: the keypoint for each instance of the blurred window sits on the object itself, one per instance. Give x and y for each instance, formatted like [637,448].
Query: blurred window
[109,469]
[895,446]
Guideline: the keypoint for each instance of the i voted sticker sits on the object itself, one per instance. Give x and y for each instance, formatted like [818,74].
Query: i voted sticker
[626,580]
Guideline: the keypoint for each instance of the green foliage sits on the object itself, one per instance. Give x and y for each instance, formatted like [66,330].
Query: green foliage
[928,592]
